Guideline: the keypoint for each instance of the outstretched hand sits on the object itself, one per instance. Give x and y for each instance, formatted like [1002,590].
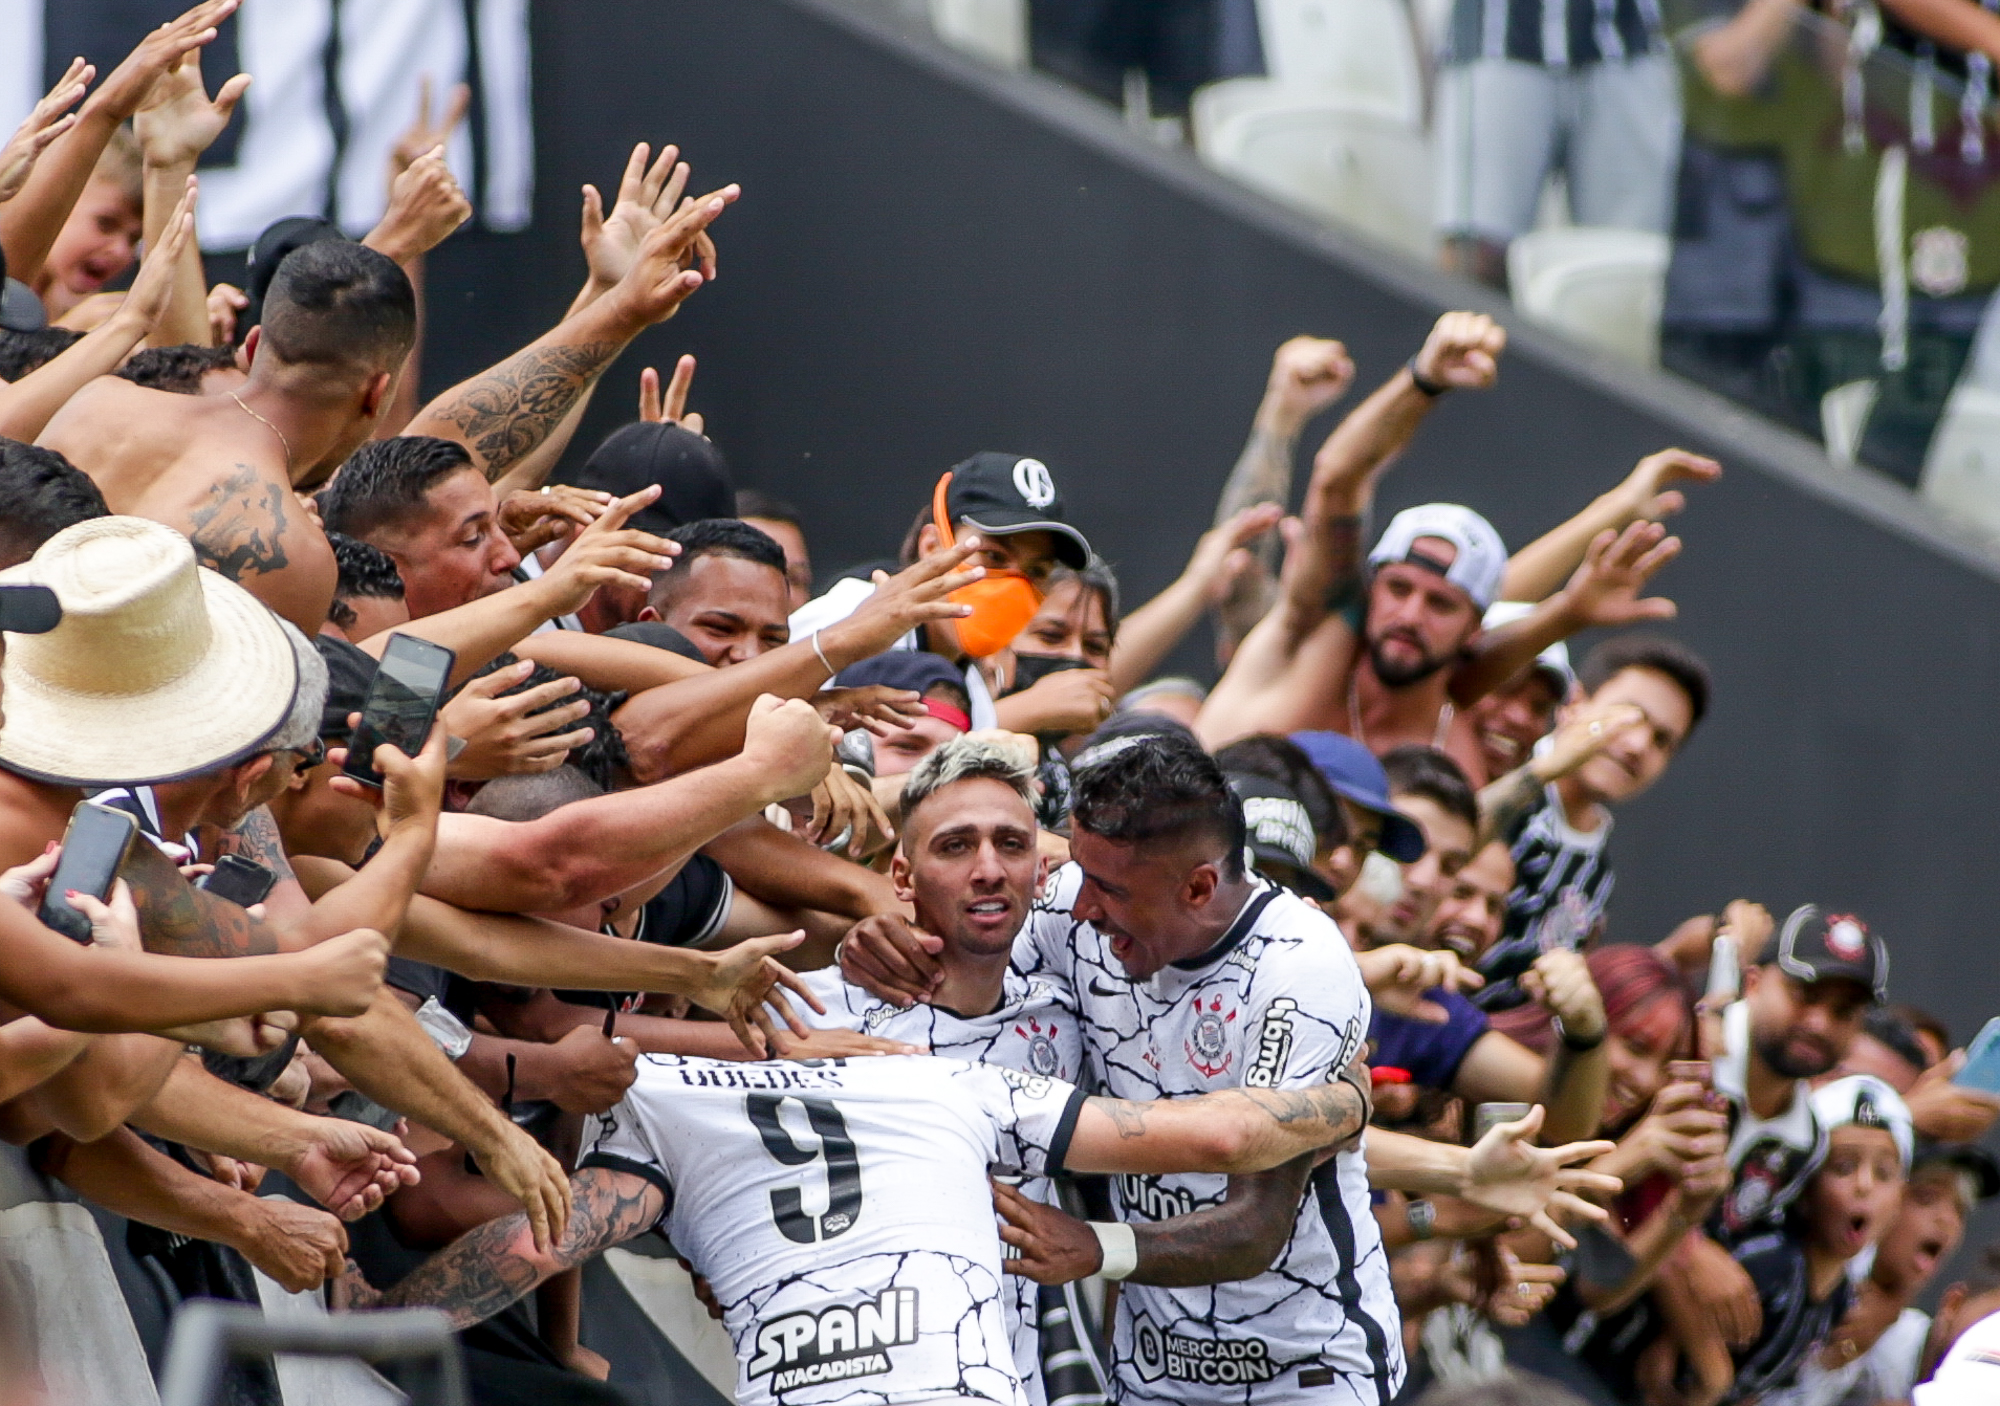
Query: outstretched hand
[48,120]
[747,983]
[1507,1173]
[664,273]
[178,121]
[349,1168]
[127,87]
[608,553]
[1462,351]
[648,196]
[1585,733]
[1646,491]
[911,598]
[1054,1247]
[1605,589]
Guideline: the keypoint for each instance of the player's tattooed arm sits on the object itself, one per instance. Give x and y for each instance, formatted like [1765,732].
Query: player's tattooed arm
[1238,1130]
[497,1264]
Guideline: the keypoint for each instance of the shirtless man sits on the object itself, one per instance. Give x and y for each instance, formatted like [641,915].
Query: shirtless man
[338,323]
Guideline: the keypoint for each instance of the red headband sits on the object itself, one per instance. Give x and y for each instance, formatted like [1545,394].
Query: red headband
[945,713]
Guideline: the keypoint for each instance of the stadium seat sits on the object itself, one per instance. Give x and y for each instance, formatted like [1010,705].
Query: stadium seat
[1843,416]
[1361,50]
[1356,162]
[1602,286]
[1962,470]
[994,30]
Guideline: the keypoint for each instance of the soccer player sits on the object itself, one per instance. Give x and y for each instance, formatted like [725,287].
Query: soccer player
[841,1214]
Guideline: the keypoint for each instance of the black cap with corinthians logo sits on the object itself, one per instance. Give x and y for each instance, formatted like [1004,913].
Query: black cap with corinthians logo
[1814,945]
[1001,494]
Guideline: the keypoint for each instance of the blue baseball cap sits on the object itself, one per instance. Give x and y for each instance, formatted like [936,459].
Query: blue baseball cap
[1352,771]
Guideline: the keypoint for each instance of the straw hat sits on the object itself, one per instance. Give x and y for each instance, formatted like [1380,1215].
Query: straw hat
[160,668]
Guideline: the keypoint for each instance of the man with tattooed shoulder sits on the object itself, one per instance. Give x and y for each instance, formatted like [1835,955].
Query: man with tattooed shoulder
[338,324]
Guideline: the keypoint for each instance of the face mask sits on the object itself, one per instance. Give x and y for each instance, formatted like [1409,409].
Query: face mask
[1003,602]
[1031,669]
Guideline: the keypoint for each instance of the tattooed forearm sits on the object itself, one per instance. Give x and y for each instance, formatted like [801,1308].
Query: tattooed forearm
[179,920]
[1303,1120]
[1218,1244]
[502,415]
[1341,544]
[239,530]
[1127,1116]
[496,1264]
[1263,474]
[1503,803]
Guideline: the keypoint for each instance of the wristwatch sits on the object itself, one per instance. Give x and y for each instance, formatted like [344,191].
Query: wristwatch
[1572,1043]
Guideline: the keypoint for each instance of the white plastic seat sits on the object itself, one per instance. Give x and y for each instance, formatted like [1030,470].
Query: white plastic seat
[994,30]
[1362,50]
[1962,470]
[1843,416]
[1601,286]
[1354,163]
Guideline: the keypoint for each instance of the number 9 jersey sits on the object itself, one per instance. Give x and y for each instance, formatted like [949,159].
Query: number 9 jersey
[840,1213]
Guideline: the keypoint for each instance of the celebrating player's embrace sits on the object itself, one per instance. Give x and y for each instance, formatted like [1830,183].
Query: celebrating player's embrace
[840,1209]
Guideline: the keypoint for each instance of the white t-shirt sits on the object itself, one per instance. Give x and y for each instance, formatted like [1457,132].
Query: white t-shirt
[843,598]
[1883,1373]
[1771,1158]
[1277,1003]
[1033,1031]
[840,1211]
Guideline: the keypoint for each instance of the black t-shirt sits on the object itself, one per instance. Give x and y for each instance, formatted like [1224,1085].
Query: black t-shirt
[1794,1323]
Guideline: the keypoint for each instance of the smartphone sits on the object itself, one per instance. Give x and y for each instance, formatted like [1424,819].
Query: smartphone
[402,703]
[93,849]
[241,881]
[1488,1116]
[1982,1060]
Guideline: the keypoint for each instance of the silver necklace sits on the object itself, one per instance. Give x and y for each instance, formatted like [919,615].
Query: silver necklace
[1438,736]
[269,426]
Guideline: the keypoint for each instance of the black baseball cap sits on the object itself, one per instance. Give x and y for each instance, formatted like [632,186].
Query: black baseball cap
[1280,832]
[268,252]
[918,670]
[1814,945]
[693,476]
[29,610]
[1002,494]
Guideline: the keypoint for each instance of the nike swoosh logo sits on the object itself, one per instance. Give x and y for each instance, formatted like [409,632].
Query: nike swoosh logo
[1097,990]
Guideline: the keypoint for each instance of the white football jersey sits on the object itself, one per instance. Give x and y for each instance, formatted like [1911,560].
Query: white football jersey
[840,1212]
[1032,1030]
[1277,1003]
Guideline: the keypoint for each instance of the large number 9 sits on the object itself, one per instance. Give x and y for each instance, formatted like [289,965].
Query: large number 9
[843,1167]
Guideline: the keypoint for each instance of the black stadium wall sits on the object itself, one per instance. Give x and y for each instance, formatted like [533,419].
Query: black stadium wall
[931,257]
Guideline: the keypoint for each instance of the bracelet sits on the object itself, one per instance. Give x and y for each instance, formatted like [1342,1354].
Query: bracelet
[830,670]
[1433,389]
[1120,1247]
[1423,1218]
[1572,1043]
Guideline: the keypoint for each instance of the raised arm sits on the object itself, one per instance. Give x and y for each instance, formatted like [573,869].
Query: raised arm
[502,414]
[46,121]
[1578,738]
[497,1264]
[589,850]
[1503,1172]
[1308,374]
[176,124]
[1539,569]
[1222,559]
[30,223]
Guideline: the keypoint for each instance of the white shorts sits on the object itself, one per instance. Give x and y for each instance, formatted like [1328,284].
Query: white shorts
[1612,128]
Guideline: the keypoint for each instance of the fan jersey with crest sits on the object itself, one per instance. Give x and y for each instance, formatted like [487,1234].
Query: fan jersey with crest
[840,1212]
[1032,1031]
[1277,1003]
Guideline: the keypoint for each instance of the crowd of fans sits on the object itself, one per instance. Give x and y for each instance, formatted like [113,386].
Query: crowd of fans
[776,921]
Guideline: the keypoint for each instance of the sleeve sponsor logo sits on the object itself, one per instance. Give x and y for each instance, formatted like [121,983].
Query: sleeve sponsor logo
[835,1344]
[1033,1085]
[1144,1196]
[1207,1361]
[1274,1046]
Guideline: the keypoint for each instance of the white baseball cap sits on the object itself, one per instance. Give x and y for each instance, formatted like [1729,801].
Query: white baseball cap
[1865,1100]
[1554,660]
[1969,1375]
[1481,558]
